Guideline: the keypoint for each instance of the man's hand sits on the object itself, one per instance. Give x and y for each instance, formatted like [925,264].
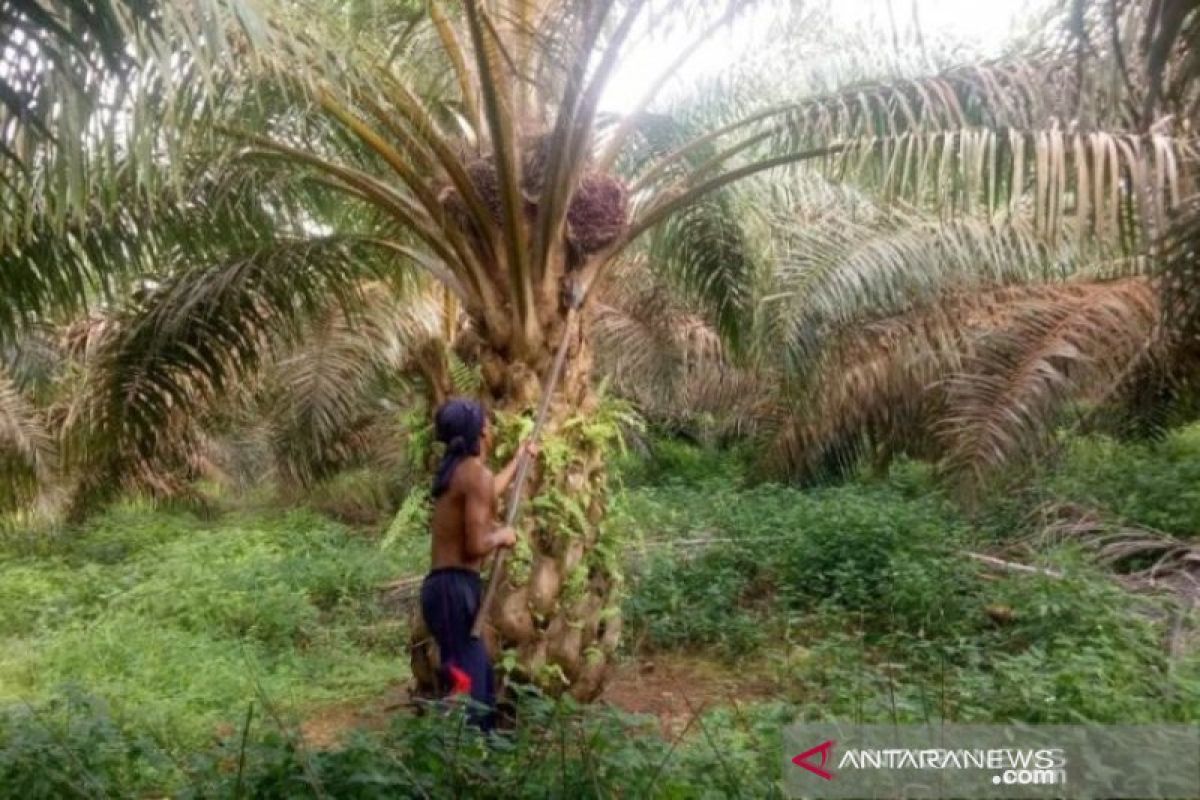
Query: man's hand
[504,537]
[527,448]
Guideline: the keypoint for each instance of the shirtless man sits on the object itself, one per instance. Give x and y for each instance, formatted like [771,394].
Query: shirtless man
[464,533]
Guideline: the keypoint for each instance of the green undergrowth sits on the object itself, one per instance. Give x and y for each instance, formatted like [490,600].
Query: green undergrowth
[663,461]
[177,622]
[74,748]
[719,560]
[1153,484]
[1147,484]
[862,599]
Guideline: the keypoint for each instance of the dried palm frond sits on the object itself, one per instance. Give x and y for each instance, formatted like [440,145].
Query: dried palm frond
[1002,405]
[27,452]
[1146,558]
[975,379]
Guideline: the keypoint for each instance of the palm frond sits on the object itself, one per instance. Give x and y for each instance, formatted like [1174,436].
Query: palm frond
[53,267]
[1083,340]
[836,272]
[665,356]
[1180,269]
[647,339]
[975,380]
[27,452]
[99,98]
[707,250]
[990,138]
[33,363]
[324,393]
[1173,563]
[189,341]
[1145,47]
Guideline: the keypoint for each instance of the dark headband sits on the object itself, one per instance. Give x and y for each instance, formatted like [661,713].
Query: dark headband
[458,424]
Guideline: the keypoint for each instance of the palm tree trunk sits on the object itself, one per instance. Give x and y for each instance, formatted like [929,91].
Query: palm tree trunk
[557,611]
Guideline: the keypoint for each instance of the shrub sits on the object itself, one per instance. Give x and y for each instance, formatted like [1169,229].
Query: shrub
[364,497]
[772,552]
[677,461]
[1154,484]
[71,747]
[556,749]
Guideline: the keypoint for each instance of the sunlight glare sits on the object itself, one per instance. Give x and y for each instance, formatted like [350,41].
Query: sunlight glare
[982,26]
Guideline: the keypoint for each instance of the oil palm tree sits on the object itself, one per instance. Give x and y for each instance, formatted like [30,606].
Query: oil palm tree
[965,341]
[307,172]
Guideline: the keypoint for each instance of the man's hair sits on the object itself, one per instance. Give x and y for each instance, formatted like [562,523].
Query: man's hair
[458,424]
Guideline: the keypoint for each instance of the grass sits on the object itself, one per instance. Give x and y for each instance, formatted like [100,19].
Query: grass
[178,622]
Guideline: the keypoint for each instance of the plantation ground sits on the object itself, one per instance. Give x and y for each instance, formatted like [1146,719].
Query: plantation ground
[181,621]
[132,650]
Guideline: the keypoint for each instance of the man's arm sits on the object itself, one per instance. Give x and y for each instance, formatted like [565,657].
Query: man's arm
[482,535]
[505,476]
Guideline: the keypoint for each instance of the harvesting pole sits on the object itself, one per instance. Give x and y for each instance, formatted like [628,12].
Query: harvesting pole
[496,576]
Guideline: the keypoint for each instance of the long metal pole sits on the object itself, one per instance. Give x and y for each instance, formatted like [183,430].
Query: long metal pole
[514,497]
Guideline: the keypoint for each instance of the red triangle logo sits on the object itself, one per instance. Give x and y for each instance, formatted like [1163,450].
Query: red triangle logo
[823,748]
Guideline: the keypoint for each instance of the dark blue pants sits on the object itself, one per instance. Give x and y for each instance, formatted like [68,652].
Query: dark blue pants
[450,599]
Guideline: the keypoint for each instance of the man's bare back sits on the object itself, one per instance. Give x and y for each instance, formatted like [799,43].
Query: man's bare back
[463,528]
